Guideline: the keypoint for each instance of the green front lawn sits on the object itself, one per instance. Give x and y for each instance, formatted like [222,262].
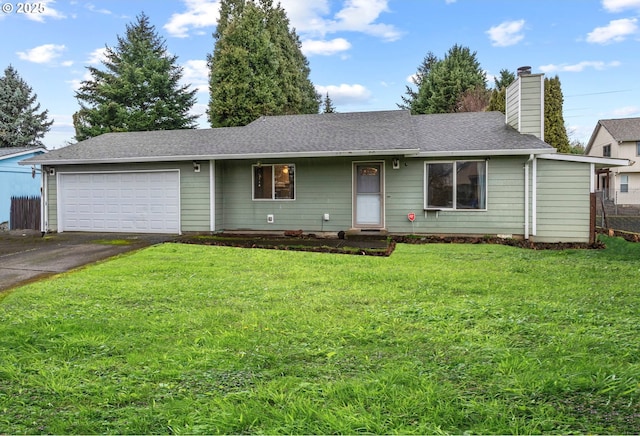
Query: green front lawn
[434,339]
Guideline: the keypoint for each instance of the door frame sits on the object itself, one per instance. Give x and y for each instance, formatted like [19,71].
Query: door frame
[354,193]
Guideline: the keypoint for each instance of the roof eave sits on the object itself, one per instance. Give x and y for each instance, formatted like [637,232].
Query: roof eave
[512,152]
[24,152]
[239,156]
[600,161]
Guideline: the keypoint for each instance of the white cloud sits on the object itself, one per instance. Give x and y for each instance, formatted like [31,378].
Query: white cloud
[94,8]
[307,16]
[199,14]
[196,74]
[620,5]
[42,54]
[581,66]
[507,33]
[44,10]
[97,56]
[345,94]
[326,48]
[360,15]
[626,111]
[615,31]
[311,17]
[76,83]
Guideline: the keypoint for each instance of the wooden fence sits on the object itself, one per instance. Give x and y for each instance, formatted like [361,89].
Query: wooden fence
[25,213]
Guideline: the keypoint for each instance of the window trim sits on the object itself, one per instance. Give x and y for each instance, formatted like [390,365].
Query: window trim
[606,150]
[637,148]
[273,182]
[624,187]
[455,180]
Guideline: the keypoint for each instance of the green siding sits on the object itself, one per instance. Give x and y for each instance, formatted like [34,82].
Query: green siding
[563,201]
[513,104]
[524,104]
[324,185]
[505,203]
[52,210]
[219,202]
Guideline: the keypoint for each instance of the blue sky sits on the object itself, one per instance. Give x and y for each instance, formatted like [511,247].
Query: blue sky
[363,52]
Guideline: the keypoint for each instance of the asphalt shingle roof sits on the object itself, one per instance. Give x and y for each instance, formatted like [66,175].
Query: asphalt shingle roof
[623,129]
[392,132]
[10,151]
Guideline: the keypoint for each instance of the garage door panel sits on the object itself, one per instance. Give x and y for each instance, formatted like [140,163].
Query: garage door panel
[120,202]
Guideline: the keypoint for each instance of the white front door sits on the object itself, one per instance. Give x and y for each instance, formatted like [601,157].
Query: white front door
[368,202]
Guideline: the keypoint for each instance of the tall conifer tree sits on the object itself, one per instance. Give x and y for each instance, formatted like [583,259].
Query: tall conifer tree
[257,66]
[442,83]
[555,132]
[498,100]
[21,122]
[138,90]
[327,105]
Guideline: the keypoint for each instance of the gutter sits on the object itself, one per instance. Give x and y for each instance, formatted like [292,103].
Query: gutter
[407,152]
[523,152]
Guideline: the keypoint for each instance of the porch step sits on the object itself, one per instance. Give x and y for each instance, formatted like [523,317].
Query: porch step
[366,234]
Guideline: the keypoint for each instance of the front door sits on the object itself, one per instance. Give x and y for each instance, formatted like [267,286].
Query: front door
[368,201]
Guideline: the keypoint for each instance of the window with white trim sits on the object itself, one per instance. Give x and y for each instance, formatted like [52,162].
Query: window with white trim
[274,182]
[457,185]
[624,183]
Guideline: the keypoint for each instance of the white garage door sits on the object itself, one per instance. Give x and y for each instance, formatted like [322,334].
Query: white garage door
[136,202]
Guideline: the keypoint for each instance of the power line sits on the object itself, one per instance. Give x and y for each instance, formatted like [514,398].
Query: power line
[599,93]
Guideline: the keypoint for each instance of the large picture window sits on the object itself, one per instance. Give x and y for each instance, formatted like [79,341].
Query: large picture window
[274,182]
[456,185]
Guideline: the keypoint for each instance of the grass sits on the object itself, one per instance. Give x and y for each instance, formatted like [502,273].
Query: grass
[112,241]
[434,339]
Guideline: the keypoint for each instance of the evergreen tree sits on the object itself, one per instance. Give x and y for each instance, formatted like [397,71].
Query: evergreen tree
[446,81]
[257,66]
[327,105]
[555,132]
[505,79]
[409,100]
[138,90]
[21,122]
[498,100]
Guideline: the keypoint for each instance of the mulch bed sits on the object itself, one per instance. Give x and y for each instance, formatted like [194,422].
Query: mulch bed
[364,246]
[522,243]
[368,247]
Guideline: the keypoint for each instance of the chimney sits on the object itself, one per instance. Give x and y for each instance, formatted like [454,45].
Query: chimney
[525,103]
[524,71]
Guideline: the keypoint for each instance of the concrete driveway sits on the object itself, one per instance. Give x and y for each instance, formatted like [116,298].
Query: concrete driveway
[26,256]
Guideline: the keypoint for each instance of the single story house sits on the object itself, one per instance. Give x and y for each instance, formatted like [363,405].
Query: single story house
[16,180]
[387,171]
[617,138]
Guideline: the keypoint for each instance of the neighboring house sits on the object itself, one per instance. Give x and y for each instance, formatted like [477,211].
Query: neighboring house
[618,138]
[389,171]
[16,180]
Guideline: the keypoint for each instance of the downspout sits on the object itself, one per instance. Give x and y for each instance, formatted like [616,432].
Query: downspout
[526,196]
[534,197]
[212,195]
[44,213]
